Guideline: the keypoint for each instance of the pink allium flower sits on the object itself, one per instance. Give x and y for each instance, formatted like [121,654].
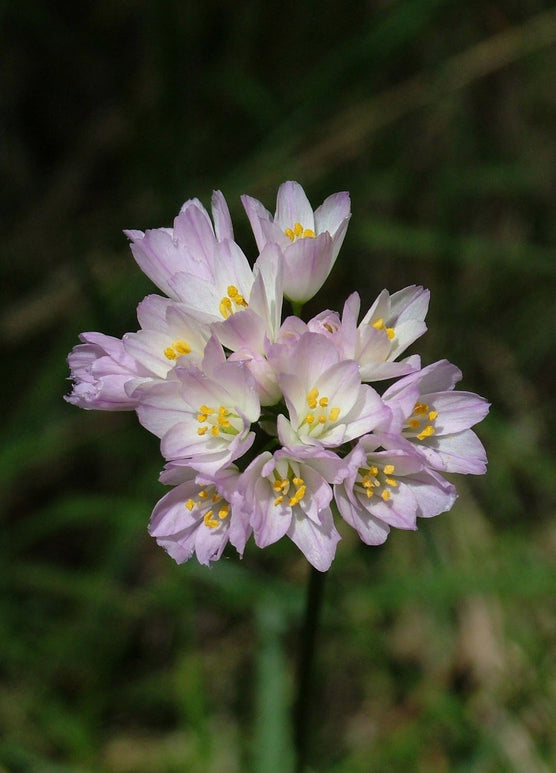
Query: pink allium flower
[208,356]
[203,417]
[100,368]
[198,516]
[190,246]
[169,336]
[310,241]
[436,420]
[289,493]
[327,404]
[388,488]
[392,324]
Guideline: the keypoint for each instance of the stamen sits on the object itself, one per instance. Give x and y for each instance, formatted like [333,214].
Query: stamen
[202,430]
[378,324]
[298,231]
[389,469]
[312,397]
[334,413]
[385,495]
[233,301]
[427,432]
[323,402]
[209,521]
[178,348]
[190,504]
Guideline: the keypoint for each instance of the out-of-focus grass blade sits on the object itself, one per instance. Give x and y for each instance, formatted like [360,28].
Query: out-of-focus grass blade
[272,743]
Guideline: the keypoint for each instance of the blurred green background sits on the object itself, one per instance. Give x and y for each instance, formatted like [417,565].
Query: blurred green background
[436,651]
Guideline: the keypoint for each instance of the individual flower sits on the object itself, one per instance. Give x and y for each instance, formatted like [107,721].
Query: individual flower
[310,241]
[169,336]
[327,404]
[190,246]
[387,488]
[249,331]
[100,368]
[435,420]
[198,516]
[392,324]
[203,417]
[289,493]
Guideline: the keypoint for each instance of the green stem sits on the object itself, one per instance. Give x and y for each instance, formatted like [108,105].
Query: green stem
[297,308]
[302,708]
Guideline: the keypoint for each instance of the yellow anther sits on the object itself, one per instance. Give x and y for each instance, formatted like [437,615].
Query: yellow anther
[298,481]
[224,512]
[370,492]
[373,470]
[203,494]
[223,411]
[298,231]
[309,419]
[433,415]
[323,402]
[334,413]
[299,494]
[209,521]
[389,469]
[225,307]
[414,423]
[278,500]
[378,324]
[312,396]
[214,430]
[190,504]
[366,482]
[182,347]
[202,430]
[420,408]
[391,482]
[206,409]
[385,495]
[201,417]
[223,422]
[178,348]
[232,291]
[322,419]
[427,432]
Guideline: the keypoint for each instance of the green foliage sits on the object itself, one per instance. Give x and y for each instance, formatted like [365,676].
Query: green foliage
[437,649]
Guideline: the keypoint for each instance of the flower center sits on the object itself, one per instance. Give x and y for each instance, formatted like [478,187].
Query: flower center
[283,487]
[378,324]
[232,302]
[319,414]
[421,421]
[377,481]
[178,348]
[215,420]
[298,232]
[211,506]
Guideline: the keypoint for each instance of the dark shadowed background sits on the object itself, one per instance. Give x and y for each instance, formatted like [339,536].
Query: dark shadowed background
[437,649]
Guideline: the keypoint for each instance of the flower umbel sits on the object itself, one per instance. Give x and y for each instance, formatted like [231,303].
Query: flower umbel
[326,442]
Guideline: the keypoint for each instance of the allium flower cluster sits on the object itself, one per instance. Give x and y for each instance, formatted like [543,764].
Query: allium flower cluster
[274,427]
